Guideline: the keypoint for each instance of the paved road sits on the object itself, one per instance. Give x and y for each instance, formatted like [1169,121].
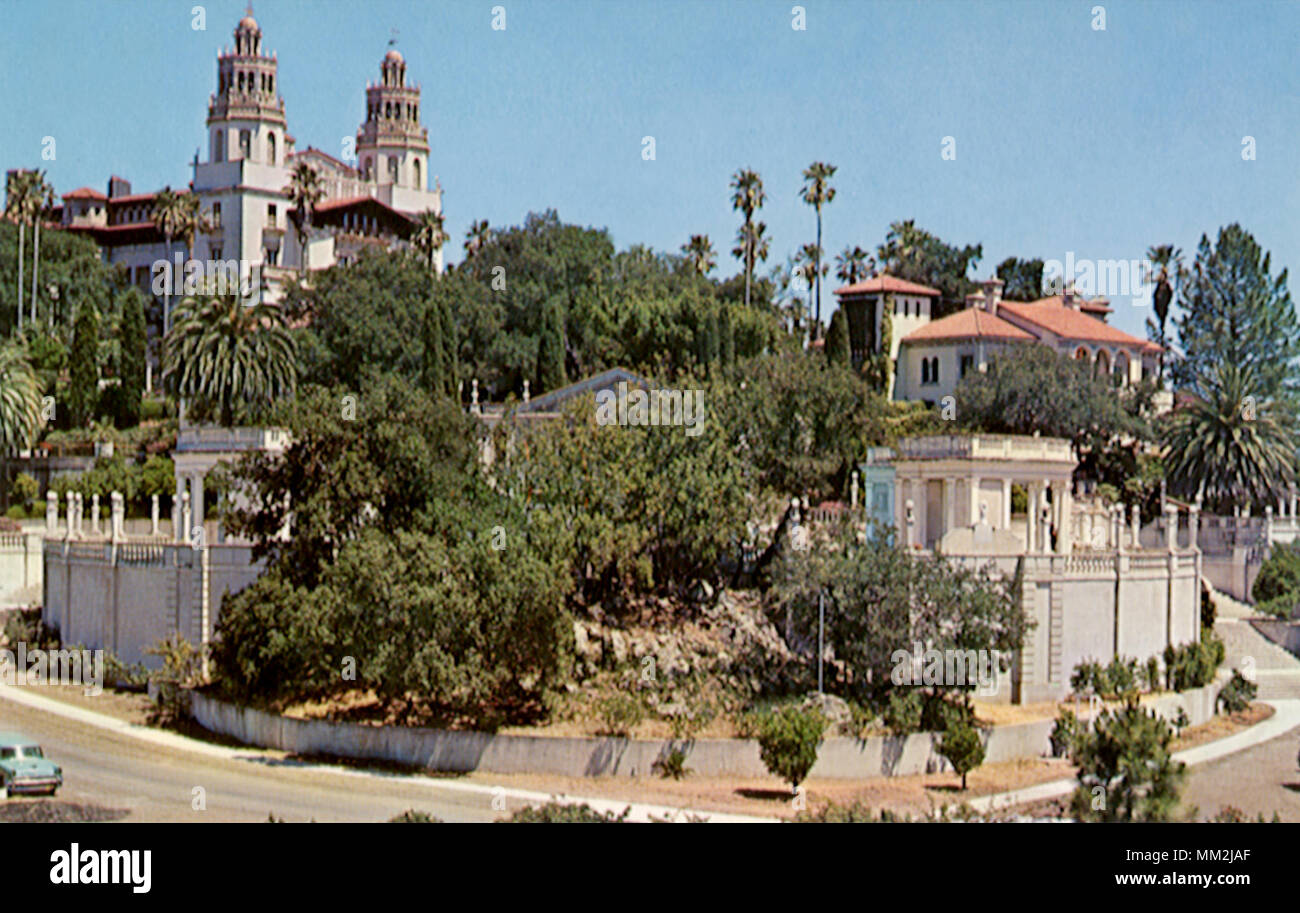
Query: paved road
[156,783]
[1266,778]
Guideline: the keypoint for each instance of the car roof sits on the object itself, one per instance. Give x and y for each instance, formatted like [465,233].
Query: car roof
[14,738]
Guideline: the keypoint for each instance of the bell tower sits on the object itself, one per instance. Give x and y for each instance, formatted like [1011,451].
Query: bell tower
[246,114]
[392,147]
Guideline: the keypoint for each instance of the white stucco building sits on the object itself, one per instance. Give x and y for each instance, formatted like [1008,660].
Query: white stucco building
[242,182]
[931,356]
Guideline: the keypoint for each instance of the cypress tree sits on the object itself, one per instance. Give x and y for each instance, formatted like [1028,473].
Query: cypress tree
[550,352]
[434,379]
[837,341]
[83,386]
[451,349]
[133,357]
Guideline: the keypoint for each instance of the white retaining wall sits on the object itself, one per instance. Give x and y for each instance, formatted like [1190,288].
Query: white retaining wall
[460,752]
[20,569]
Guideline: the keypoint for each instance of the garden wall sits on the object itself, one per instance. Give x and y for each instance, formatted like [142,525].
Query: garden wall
[460,752]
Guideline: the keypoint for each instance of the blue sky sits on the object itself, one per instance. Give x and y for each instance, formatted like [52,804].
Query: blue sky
[1067,138]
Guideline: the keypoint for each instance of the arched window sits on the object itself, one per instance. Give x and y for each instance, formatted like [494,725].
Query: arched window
[219,146]
[388,110]
[393,169]
[1122,368]
[368,169]
[934,370]
[1102,366]
[270,148]
[270,84]
[245,144]
[1081,353]
[925,370]
[415,178]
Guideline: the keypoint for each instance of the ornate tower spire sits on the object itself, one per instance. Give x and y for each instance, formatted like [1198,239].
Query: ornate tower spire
[246,114]
[392,145]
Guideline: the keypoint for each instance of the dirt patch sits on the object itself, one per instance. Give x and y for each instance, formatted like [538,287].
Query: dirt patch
[130,706]
[1221,727]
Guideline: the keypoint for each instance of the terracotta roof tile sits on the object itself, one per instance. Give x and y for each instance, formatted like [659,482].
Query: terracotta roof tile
[886,283]
[84,193]
[971,323]
[1069,323]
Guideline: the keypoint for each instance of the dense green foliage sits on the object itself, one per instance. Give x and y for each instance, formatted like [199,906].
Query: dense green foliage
[1126,770]
[788,738]
[963,748]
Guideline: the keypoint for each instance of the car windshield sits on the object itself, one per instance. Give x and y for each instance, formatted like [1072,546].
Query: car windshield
[31,751]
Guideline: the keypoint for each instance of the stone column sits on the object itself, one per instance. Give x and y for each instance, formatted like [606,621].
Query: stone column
[72,515]
[118,527]
[185,518]
[177,496]
[94,515]
[949,504]
[1117,521]
[153,515]
[909,521]
[51,514]
[1193,525]
[1137,528]
[1006,503]
[81,515]
[196,502]
[1171,528]
[974,500]
[853,491]
[1065,532]
[1031,519]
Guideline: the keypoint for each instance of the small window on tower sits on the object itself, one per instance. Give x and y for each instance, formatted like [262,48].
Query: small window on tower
[270,148]
[245,143]
[270,215]
[392,168]
[216,216]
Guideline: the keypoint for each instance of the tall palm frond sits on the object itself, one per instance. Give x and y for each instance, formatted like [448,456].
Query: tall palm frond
[20,398]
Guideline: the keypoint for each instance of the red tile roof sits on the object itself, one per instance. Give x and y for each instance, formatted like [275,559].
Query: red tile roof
[969,324]
[84,193]
[1096,305]
[1069,323]
[324,154]
[886,283]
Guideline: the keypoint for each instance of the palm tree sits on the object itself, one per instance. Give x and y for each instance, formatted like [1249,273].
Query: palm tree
[699,253]
[429,235]
[192,222]
[1226,446]
[20,201]
[817,192]
[809,259]
[854,263]
[747,196]
[20,398]
[168,213]
[752,247]
[227,352]
[305,191]
[1168,272]
[42,202]
[477,238]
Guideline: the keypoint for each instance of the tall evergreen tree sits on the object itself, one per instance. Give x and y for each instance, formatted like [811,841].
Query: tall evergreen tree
[83,386]
[435,352]
[1236,312]
[133,356]
[837,340]
[550,351]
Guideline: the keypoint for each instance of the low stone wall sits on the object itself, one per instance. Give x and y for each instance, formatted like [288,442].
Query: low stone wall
[461,752]
[1286,634]
[20,569]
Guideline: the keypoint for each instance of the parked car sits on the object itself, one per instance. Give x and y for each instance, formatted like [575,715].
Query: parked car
[24,768]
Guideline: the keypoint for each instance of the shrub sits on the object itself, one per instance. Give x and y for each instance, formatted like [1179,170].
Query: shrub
[182,668]
[903,712]
[1208,612]
[1086,678]
[962,746]
[558,813]
[1151,674]
[1126,771]
[25,489]
[1279,575]
[1064,733]
[673,764]
[124,676]
[1121,676]
[1236,695]
[788,739]
[1193,665]
[1181,721]
[411,816]
[620,713]
[27,627]
[1282,606]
